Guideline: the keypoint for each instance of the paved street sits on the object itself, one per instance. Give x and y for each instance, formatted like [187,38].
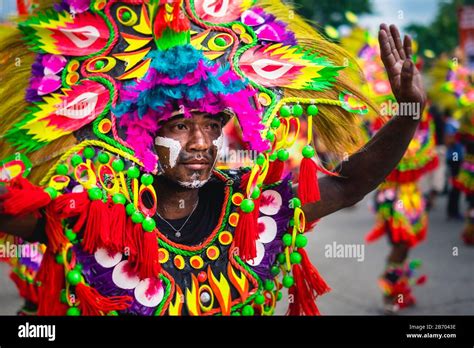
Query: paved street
[450,288]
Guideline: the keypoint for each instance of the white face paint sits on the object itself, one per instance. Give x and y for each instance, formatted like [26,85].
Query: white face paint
[194,183]
[173,145]
[219,142]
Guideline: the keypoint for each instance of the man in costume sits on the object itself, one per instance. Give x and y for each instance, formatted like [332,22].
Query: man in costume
[128,100]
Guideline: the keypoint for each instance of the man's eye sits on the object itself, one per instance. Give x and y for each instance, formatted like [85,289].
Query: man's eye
[215,125]
[180,126]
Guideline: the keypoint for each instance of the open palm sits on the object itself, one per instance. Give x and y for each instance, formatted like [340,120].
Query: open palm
[405,79]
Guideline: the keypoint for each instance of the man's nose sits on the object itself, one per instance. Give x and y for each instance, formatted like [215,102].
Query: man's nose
[198,141]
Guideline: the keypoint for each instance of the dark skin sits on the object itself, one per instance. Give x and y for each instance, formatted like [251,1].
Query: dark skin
[361,174]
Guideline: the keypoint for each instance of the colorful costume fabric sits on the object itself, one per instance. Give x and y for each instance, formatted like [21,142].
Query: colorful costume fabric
[105,76]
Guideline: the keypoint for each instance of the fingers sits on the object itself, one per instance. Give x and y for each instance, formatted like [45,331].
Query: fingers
[393,47]
[407,46]
[386,50]
[406,79]
[398,41]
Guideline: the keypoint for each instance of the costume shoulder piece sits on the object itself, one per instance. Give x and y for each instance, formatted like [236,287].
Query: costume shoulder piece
[104,75]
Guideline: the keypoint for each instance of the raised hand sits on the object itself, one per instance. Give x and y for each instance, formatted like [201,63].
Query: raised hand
[405,79]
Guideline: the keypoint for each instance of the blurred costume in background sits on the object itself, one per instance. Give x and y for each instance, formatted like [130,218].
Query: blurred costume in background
[399,203]
[104,75]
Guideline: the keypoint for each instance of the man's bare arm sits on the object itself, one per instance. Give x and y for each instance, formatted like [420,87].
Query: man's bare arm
[367,168]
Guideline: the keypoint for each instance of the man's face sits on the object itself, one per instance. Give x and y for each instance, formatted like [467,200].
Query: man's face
[188,148]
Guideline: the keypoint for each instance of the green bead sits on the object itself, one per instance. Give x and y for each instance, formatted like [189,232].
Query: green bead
[414,264]
[255,193]
[59,259]
[295,257]
[308,151]
[283,154]
[247,205]
[112,314]
[148,224]
[288,281]
[126,15]
[99,64]
[89,152]
[269,285]
[73,312]
[235,314]
[94,193]
[292,222]
[260,160]
[118,165]
[275,270]
[259,299]
[281,258]
[275,123]
[74,277]
[137,217]
[78,267]
[62,169]
[104,157]
[51,192]
[248,311]
[147,179]
[270,135]
[119,198]
[76,160]
[70,235]
[63,296]
[279,296]
[220,42]
[287,239]
[129,209]
[273,156]
[312,110]
[285,111]
[133,172]
[295,202]
[297,110]
[301,241]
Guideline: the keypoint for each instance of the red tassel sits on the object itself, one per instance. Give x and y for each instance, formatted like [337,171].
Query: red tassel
[97,226]
[308,188]
[303,297]
[24,198]
[51,277]
[54,230]
[91,302]
[246,235]
[130,243]
[375,234]
[71,204]
[147,265]
[275,172]
[311,275]
[118,222]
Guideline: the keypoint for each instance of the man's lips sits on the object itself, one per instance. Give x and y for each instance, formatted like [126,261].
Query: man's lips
[196,164]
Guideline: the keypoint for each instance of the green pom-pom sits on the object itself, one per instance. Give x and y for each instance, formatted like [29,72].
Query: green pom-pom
[51,192]
[94,193]
[104,158]
[118,165]
[285,111]
[269,285]
[308,151]
[99,64]
[301,241]
[273,156]
[256,193]
[133,172]
[119,198]
[126,15]
[62,169]
[235,314]
[297,110]
[414,264]
[283,155]
[78,267]
[220,42]
[287,239]
[260,160]
[275,123]
[312,110]
[288,281]
[74,277]
[59,259]
[275,270]
[248,311]
[63,296]
[137,217]
[147,179]
[270,135]
[148,224]
[89,152]
[295,202]
[129,209]
[279,295]
[259,299]
[247,205]
[76,160]
[73,312]
[70,235]
[281,258]
[295,257]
